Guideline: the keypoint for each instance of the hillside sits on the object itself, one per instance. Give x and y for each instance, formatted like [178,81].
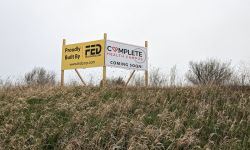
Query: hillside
[118,118]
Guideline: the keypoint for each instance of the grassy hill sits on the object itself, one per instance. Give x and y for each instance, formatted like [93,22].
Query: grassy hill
[117,118]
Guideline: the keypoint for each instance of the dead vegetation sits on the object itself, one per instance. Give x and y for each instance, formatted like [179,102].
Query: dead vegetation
[47,117]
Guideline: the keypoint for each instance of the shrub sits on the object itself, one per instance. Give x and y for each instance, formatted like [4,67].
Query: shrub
[114,82]
[209,72]
[40,76]
[118,81]
[137,80]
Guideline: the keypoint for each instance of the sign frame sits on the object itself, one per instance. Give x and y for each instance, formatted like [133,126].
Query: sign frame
[104,65]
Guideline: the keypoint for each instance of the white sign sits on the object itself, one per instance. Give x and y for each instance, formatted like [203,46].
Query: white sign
[126,56]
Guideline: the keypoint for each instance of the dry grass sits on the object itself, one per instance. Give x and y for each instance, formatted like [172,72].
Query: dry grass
[116,118]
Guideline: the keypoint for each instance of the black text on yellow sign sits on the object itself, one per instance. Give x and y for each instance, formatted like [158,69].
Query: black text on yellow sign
[83,55]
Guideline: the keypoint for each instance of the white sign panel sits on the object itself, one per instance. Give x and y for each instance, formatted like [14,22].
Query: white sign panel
[126,56]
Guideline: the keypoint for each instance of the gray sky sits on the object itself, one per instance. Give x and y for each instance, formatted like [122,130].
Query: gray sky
[31,31]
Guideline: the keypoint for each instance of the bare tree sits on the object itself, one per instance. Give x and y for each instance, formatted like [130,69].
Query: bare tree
[39,76]
[241,75]
[209,72]
[156,78]
[173,73]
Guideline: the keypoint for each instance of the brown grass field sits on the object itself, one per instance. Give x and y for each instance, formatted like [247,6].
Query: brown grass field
[94,118]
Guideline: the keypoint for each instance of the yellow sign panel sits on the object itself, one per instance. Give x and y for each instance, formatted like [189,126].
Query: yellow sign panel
[83,55]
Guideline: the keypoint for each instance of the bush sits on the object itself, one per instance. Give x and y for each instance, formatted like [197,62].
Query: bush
[118,81]
[209,72]
[138,80]
[40,76]
[114,82]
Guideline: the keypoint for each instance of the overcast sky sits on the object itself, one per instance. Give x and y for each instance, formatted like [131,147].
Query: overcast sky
[31,31]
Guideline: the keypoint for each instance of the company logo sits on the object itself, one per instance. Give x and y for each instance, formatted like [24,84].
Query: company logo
[138,54]
[93,50]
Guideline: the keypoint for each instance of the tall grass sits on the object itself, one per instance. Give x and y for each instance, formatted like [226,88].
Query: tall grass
[167,115]
[46,117]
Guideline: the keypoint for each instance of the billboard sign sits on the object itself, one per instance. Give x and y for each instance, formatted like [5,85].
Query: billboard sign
[126,56]
[83,55]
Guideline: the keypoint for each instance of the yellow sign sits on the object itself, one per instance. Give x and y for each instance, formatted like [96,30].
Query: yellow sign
[83,55]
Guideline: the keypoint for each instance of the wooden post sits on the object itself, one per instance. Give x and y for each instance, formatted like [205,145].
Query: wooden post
[130,77]
[80,77]
[62,71]
[146,71]
[104,72]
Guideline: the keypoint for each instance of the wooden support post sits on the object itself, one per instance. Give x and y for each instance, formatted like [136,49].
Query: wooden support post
[104,69]
[130,78]
[146,71]
[104,72]
[77,72]
[62,71]
[62,77]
